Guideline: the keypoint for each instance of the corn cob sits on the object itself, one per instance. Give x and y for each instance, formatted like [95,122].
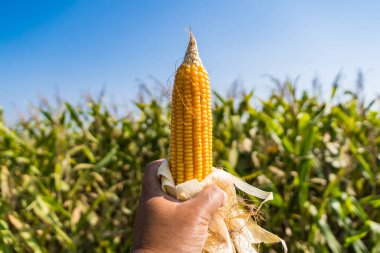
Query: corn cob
[191,123]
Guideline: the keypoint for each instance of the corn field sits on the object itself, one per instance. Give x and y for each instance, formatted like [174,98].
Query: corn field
[70,175]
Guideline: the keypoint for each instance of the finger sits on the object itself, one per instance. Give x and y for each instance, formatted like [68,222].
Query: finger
[150,182]
[209,200]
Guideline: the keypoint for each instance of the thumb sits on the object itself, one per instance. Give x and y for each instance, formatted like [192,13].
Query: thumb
[208,200]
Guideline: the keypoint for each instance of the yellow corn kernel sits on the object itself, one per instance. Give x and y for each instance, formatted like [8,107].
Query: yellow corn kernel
[191,122]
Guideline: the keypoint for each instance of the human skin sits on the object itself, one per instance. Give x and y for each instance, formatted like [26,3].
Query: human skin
[163,224]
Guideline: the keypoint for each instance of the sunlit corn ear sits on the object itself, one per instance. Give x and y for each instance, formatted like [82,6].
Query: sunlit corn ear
[191,122]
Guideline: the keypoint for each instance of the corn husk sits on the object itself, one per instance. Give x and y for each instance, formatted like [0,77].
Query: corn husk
[232,228]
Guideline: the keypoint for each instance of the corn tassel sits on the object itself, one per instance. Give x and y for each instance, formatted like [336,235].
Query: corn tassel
[191,123]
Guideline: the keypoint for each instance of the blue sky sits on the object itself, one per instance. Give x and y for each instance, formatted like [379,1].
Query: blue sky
[76,47]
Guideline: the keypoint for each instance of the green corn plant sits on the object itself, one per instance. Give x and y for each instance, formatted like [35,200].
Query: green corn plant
[70,175]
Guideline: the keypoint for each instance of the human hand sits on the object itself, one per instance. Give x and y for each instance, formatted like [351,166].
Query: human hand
[163,224]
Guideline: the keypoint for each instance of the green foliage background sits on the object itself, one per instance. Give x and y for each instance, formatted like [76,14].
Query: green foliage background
[71,175]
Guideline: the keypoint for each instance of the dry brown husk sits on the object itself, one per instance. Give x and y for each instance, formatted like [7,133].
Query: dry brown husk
[232,228]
